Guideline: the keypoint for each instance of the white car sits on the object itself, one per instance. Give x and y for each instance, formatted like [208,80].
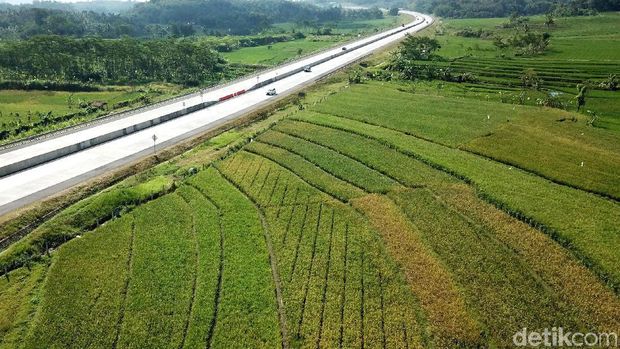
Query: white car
[271,92]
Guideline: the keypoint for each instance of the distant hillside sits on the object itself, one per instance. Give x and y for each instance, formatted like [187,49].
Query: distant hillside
[163,18]
[501,8]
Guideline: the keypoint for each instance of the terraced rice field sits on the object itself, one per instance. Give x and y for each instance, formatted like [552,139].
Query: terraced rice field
[373,218]
[582,50]
[558,74]
[330,231]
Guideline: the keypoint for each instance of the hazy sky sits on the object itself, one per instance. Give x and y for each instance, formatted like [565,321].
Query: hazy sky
[15,2]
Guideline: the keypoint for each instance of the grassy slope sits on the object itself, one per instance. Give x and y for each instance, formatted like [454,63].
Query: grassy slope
[278,52]
[20,297]
[283,51]
[555,149]
[582,48]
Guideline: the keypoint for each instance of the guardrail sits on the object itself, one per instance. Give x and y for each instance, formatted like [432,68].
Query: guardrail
[123,114]
[76,147]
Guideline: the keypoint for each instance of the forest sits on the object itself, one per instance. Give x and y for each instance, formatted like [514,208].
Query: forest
[496,8]
[167,18]
[122,61]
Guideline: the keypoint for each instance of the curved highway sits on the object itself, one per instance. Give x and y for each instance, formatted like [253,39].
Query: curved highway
[36,170]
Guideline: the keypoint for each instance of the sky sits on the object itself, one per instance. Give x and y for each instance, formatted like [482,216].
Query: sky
[16,2]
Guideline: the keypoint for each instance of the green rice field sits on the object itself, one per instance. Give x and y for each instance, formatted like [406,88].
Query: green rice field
[384,214]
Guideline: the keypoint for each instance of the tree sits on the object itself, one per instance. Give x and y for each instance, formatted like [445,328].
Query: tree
[549,20]
[611,83]
[418,48]
[530,78]
[581,96]
[393,11]
[355,77]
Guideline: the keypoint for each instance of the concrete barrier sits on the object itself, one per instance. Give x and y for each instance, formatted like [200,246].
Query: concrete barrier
[74,148]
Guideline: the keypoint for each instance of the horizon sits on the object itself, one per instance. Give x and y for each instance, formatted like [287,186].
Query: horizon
[25,2]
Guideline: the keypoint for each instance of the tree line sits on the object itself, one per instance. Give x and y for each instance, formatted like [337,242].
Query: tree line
[168,18]
[101,61]
[503,8]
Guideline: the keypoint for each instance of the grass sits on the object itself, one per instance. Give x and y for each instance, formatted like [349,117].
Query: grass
[590,232]
[80,306]
[402,221]
[337,287]
[557,145]
[20,298]
[247,313]
[18,107]
[79,217]
[279,52]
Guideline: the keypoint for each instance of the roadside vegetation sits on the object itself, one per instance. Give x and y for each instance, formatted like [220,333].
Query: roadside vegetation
[60,66]
[373,210]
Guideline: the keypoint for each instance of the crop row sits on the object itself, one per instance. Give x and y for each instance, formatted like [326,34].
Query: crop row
[492,129]
[373,154]
[338,289]
[495,253]
[591,232]
[247,314]
[503,290]
[448,121]
[336,164]
[268,184]
[309,172]
[18,289]
[185,272]
[446,312]
[551,74]
[81,306]
[209,254]
[566,277]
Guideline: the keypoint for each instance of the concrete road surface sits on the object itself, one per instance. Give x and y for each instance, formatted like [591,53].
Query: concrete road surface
[32,184]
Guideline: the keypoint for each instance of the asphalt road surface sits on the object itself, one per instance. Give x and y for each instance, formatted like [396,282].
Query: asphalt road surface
[35,183]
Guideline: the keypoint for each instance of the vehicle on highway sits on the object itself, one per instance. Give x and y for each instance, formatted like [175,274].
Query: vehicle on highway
[307,69]
[271,92]
[344,48]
